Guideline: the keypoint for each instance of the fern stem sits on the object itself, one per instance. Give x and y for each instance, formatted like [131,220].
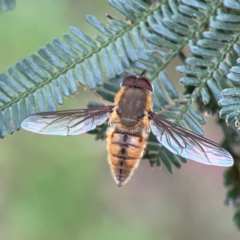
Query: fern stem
[194,31]
[197,90]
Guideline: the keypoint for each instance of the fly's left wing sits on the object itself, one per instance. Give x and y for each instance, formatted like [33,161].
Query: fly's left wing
[66,123]
[187,144]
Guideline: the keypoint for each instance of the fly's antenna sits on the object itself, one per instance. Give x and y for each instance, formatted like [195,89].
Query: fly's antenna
[143,72]
[141,75]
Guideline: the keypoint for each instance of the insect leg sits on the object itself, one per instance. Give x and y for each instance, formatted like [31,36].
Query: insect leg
[170,107]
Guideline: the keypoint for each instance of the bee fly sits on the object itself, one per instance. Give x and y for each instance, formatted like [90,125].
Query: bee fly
[130,121]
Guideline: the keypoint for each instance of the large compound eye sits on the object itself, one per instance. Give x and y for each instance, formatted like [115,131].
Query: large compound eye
[139,82]
[143,82]
[129,81]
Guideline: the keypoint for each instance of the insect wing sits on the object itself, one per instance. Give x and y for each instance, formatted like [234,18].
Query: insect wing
[187,144]
[66,123]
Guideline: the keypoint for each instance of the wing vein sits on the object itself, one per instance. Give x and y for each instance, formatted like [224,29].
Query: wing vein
[187,144]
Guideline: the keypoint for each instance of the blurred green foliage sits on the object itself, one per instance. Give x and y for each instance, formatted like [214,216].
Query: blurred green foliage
[61,188]
[6,5]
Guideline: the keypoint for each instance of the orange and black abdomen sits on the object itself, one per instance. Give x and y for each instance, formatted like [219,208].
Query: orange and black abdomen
[128,131]
[125,150]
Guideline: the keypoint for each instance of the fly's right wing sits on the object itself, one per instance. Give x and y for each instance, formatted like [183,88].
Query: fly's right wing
[187,144]
[67,123]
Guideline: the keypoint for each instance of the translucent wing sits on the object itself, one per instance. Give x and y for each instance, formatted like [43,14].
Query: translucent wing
[66,123]
[188,144]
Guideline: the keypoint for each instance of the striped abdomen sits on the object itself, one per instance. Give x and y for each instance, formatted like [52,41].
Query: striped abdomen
[125,149]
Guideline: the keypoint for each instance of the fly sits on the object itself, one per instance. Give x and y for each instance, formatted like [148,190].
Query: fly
[130,119]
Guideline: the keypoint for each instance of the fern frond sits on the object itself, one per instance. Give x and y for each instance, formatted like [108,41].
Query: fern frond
[40,81]
[149,39]
[176,28]
[212,73]
[231,96]
[6,5]
[205,71]
[164,95]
